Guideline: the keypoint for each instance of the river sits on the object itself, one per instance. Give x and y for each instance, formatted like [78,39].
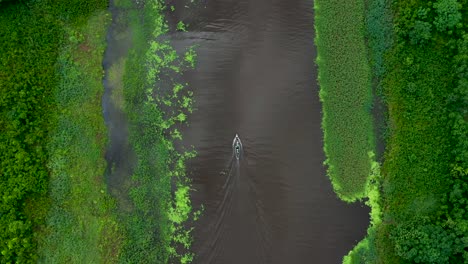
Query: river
[256,77]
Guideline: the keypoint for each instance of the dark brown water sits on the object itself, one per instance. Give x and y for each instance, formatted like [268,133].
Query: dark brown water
[256,76]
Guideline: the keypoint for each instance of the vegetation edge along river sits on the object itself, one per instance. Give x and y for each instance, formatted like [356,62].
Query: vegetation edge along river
[418,54]
[55,205]
[155,102]
[346,95]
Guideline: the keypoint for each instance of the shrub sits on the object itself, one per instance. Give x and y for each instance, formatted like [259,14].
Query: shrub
[423,242]
[448,14]
[29,41]
[421,32]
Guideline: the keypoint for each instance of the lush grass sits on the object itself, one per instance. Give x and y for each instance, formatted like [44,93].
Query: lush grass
[379,39]
[80,226]
[346,95]
[154,101]
[52,134]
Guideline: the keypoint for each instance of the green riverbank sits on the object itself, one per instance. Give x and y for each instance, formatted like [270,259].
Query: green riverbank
[418,201]
[346,95]
[81,226]
[154,101]
[55,207]
[424,184]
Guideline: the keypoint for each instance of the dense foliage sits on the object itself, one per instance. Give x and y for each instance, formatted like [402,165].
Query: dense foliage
[427,96]
[424,175]
[346,95]
[40,71]
[29,41]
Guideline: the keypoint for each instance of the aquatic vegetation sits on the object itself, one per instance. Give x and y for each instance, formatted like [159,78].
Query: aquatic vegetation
[365,251]
[181,26]
[190,57]
[155,101]
[346,95]
[115,78]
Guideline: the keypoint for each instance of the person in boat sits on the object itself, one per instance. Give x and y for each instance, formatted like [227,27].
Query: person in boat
[237,146]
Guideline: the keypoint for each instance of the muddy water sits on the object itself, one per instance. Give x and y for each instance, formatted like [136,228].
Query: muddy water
[119,154]
[256,77]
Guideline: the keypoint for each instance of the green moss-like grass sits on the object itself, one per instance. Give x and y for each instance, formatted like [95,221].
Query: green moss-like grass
[81,226]
[346,95]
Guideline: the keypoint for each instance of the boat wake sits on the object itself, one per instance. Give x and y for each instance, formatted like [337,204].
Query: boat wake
[238,209]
